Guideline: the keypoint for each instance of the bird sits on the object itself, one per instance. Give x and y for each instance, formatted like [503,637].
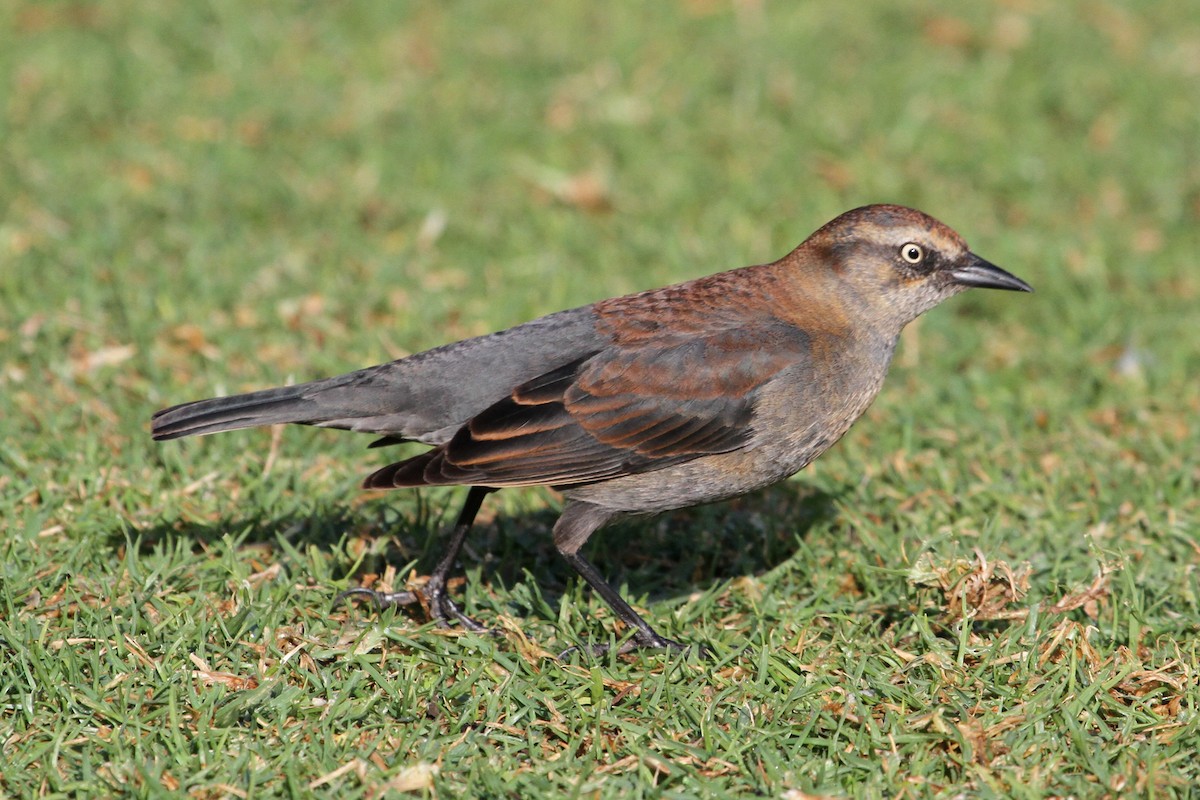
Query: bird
[664,399]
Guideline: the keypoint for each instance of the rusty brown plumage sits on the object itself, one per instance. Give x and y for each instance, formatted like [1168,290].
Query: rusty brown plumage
[639,404]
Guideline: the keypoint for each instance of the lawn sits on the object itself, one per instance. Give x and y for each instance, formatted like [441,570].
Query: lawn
[990,587]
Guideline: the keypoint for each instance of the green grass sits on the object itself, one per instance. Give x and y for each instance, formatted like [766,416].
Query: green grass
[991,587]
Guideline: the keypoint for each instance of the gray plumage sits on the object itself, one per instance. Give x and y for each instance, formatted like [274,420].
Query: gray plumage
[640,404]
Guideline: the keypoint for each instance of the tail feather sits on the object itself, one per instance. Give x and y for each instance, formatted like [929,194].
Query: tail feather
[425,397]
[268,407]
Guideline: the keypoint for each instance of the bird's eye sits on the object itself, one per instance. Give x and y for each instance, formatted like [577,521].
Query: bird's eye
[912,253]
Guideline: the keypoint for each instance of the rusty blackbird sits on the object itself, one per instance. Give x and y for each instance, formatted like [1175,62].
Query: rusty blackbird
[640,404]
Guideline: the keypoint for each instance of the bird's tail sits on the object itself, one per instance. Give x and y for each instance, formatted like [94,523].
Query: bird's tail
[268,407]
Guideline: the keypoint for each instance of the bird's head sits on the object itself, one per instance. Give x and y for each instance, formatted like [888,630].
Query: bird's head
[900,262]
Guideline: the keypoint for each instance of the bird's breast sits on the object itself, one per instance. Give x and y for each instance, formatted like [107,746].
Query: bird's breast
[803,412]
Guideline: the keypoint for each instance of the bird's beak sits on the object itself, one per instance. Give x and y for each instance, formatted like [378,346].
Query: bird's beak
[977,272]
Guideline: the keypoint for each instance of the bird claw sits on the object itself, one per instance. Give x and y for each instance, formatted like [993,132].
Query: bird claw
[437,604]
[447,608]
[639,642]
[380,600]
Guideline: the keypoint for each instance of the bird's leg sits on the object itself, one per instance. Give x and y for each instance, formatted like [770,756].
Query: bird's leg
[643,637]
[576,524]
[440,607]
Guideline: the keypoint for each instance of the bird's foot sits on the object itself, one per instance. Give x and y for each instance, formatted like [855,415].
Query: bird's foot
[380,600]
[640,641]
[437,604]
[442,609]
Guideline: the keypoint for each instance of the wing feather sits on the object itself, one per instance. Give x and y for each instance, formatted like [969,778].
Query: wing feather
[618,411]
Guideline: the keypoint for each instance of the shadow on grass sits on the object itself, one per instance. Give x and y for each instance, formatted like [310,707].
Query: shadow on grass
[664,557]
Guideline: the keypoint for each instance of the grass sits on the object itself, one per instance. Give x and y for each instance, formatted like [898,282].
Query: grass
[989,588]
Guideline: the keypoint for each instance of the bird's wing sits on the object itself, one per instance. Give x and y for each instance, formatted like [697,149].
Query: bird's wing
[618,411]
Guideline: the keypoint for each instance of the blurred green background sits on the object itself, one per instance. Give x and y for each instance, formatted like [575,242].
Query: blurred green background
[203,198]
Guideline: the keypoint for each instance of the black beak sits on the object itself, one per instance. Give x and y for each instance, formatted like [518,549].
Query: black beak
[985,275]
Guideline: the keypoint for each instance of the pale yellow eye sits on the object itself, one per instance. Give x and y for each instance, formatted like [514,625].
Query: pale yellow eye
[912,253]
